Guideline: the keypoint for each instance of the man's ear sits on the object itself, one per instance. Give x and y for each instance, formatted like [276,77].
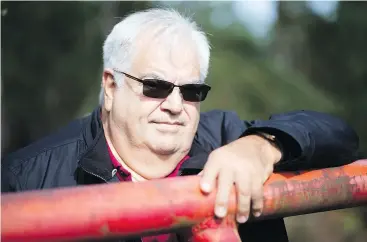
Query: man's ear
[109,87]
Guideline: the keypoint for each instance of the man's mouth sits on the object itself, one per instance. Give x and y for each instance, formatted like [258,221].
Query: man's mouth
[168,123]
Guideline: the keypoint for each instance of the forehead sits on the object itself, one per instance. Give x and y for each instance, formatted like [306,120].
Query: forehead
[172,57]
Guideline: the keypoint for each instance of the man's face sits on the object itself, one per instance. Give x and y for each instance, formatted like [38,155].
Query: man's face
[164,125]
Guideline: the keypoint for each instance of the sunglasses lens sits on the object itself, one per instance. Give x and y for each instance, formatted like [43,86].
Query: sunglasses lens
[161,89]
[195,92]
[157,88]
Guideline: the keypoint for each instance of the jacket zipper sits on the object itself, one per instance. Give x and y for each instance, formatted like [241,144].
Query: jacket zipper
[93,174]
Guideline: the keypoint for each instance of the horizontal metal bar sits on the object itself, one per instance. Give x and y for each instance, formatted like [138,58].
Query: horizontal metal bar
[134,209]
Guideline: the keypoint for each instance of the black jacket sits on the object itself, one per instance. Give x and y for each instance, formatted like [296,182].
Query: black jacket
[77,154]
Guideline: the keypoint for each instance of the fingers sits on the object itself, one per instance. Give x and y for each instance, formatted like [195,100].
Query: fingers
[208,177]
[257,198]
[225,184]
[248,177]
[249,192]
[243,199]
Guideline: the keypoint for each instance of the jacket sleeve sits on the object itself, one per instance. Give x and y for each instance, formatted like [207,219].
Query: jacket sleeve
[308,139]
[9,181]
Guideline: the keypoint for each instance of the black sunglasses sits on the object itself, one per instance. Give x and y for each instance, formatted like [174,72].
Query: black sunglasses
[156,88]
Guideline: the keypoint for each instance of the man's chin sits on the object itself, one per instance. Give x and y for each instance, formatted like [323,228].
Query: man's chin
[164,148]
[166,151]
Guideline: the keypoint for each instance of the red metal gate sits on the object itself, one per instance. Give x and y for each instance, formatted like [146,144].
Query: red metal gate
[100,211]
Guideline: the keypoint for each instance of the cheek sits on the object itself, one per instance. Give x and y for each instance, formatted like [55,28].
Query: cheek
[148,107]
[134,107]
[123,106]
[193,113]
[119,112]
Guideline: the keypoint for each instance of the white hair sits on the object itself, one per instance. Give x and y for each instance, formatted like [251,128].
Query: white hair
[118,46]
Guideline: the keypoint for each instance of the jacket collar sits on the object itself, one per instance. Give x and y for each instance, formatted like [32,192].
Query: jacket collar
[96,161]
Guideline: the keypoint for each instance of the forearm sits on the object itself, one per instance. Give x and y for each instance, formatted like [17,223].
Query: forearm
[309,139]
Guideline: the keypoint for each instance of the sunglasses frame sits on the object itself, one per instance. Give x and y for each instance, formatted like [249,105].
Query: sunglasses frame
[172,85]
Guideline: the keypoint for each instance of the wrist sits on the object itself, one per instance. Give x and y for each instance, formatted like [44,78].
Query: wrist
[269,144]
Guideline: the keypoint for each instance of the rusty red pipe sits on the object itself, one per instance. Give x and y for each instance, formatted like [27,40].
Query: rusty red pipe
[290,194]
[213,230]
[133,209]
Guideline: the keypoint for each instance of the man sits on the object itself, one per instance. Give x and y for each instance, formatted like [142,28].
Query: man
[149,126]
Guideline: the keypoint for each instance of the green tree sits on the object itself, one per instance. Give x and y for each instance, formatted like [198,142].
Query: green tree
[52,56]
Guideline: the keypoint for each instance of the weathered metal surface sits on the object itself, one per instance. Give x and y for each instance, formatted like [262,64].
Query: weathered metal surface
[287,194]
[132,209]
[213,230]
[319,190]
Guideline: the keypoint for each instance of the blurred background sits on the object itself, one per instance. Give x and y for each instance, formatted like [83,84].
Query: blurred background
[267,57]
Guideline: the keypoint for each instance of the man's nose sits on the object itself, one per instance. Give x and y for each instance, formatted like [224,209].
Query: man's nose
[174,102]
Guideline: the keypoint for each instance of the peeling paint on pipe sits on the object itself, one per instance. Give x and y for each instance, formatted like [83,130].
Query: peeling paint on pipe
[133,209]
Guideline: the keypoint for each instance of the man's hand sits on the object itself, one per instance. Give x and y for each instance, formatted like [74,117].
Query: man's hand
[247,163]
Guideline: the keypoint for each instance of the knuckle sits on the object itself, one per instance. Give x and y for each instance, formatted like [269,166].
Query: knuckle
[258,204]
[257,201]
[244,201]
[244,211]
[222,202]
[244,205]
[243,193]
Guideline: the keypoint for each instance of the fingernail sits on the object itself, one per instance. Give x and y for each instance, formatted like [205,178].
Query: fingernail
[205,187]
[257,214]
[220,211]
[241,219]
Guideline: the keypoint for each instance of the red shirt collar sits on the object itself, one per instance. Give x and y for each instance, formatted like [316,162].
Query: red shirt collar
[125,175]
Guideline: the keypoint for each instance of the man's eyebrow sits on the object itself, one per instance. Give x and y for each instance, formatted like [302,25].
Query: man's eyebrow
[197,82]
[156,76]
[151,76]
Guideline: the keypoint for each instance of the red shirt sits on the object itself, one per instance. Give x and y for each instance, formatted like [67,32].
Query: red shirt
[125,175]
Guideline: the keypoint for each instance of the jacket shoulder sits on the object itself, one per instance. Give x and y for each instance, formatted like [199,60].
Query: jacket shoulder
[70,133]
[217,128]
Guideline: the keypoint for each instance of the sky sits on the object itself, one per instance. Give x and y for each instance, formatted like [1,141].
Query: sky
[259,16]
